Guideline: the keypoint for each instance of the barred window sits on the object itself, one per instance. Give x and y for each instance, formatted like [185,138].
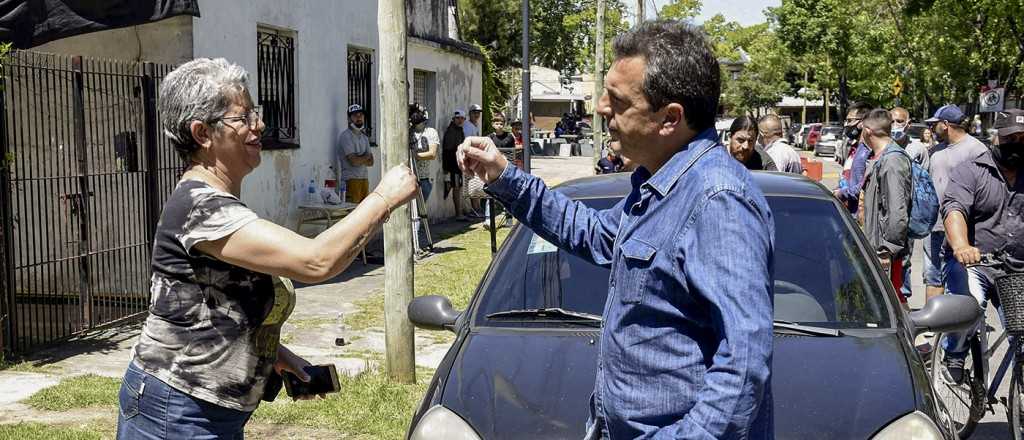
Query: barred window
[360,79]
[276,85]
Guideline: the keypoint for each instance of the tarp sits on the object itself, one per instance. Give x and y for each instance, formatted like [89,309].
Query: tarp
[28,23]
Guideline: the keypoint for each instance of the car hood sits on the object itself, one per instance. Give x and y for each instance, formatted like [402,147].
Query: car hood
[525,384]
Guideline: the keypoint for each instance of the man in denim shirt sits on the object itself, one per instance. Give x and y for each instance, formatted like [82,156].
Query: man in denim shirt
[686,344]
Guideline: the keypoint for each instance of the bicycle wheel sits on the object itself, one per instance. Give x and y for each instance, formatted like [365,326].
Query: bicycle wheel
[964,401]
[1015,399]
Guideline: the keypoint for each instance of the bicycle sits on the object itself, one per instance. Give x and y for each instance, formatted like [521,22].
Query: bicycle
[967,400]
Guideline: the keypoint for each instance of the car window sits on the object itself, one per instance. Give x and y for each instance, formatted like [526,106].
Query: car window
[821,275]
[832,130]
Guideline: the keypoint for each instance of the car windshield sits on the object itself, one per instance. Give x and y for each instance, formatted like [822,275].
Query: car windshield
[821,275]
[834,131]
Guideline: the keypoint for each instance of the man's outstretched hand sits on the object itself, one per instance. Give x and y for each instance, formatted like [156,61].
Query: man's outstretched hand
[478,156]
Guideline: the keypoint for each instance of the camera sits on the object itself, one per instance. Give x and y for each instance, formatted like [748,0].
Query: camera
[417,115]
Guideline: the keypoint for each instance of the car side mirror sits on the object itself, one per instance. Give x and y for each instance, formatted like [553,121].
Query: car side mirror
[433,312]
[946,313]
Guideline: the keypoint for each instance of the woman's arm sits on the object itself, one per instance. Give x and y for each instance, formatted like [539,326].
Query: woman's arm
[265,247]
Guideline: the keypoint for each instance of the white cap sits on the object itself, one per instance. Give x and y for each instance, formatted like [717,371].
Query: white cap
[459,113]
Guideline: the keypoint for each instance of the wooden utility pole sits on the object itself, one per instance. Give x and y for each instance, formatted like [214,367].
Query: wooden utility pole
[641,11]
[394,134]
[598,122]
[527,133]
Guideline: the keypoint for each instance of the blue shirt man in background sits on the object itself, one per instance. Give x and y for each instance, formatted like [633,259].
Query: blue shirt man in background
[853,175]
[686,344]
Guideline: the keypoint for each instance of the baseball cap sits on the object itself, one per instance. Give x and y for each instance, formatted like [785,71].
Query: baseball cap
[1009,122]
[355,108]
[948,113]
[476,108]
[459,113]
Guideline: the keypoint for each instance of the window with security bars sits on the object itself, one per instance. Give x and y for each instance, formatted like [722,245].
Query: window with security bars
[276,85]
[423,92]
[360,80]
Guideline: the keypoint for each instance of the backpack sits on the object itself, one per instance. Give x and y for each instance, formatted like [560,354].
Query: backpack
[924,202]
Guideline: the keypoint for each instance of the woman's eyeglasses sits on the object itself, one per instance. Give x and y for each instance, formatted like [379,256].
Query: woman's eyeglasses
[251,118]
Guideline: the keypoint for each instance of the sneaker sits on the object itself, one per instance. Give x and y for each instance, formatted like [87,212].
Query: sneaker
[461,218]
[421,254]
[954,370]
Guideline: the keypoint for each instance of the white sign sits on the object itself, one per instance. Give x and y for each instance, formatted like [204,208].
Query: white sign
[992,100]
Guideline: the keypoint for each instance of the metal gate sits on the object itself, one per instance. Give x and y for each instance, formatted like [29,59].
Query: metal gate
[83,180]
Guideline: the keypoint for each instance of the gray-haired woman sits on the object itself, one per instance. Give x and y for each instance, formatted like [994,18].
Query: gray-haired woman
[211,340]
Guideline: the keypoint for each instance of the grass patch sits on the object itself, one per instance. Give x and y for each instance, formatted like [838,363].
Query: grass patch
[368,406]
[85,391]
[23,366]
[454,274]
[39,431]
[311,323]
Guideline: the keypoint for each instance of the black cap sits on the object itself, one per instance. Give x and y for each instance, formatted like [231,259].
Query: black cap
[1009,122]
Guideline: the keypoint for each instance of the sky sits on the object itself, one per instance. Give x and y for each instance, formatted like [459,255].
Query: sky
[746,12]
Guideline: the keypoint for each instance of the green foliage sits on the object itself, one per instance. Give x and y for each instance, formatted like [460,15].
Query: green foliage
[681,10]
[561,32]
[84,391]
[39,431]
[940,50]
[496,91]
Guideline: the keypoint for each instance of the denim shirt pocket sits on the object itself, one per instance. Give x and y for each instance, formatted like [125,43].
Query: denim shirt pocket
[637,259]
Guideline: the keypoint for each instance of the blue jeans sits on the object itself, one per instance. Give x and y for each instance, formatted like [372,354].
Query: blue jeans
[940,267]
[982,286]
[150,409]
[907,290]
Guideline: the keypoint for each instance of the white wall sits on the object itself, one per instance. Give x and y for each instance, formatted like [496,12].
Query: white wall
[324,30]
[459,82]
[167,41]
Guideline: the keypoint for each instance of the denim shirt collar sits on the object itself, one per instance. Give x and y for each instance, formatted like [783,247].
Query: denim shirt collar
[665,179]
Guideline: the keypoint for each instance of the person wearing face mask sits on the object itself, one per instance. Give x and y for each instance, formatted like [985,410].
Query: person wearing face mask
[856,164]
[982,210]
[424,143]
[743,145]
[917,150]
[354,156]
[942,272]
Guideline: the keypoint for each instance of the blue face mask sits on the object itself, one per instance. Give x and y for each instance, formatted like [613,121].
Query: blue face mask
[897,132]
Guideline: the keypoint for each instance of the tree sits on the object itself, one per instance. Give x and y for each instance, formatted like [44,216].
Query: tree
[681,10]
[561,31]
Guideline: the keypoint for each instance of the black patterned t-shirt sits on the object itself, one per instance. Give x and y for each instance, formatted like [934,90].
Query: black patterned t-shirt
[213,328]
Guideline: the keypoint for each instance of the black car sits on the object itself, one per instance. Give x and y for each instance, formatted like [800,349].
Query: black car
[523,364]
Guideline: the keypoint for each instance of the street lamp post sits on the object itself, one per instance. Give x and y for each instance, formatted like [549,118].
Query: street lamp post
[527,134]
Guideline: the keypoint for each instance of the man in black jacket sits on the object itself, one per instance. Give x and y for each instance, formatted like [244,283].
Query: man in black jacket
[453,137]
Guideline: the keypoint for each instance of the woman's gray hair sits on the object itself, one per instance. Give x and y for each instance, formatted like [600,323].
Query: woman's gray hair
[200,90]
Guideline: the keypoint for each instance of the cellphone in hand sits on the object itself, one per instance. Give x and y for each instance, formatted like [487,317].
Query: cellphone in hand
[322,379]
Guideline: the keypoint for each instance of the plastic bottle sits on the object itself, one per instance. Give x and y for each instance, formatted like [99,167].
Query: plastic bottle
[342,187]
[311,195]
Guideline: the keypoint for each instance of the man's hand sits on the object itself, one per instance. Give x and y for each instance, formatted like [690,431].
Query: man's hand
[885,259]
[478,156]
[967,255]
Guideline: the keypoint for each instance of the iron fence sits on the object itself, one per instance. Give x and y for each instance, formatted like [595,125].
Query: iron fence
[85,175]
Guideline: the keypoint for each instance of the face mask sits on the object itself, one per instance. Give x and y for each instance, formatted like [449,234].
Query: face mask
[897,131]
[358,126]
[1009,155]
[853,132]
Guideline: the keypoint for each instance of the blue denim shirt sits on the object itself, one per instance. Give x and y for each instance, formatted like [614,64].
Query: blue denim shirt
[686,344]
[858,169]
